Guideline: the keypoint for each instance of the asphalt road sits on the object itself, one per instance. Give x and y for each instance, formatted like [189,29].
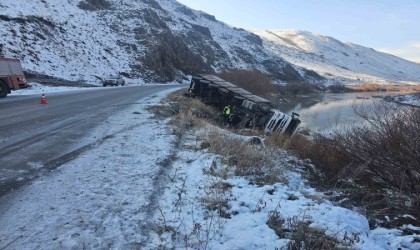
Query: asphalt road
[35,138]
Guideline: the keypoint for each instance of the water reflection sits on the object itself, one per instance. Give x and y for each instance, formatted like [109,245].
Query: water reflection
[326,111]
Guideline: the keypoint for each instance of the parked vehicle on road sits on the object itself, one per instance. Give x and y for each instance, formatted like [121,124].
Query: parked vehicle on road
[113,81]
[11,76]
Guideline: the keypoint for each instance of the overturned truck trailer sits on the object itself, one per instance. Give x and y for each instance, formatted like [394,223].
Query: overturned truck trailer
[249,110]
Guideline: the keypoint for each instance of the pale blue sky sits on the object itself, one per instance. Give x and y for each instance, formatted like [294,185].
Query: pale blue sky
[391,26]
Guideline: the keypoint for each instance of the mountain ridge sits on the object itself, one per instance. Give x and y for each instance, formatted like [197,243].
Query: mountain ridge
[339,61]
[153,40]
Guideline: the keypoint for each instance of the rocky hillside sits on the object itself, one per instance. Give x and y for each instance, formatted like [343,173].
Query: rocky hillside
[153,40]
[338,61]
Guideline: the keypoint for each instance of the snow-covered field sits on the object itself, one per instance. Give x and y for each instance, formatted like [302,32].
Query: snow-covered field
[137,189]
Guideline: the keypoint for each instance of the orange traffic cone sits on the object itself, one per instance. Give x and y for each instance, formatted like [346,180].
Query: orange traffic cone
[43,99]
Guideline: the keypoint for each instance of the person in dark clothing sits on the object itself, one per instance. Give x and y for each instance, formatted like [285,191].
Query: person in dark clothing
[234,120]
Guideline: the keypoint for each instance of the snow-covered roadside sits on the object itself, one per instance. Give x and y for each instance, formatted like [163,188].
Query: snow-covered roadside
[99,200]
[239,221]
[37,88]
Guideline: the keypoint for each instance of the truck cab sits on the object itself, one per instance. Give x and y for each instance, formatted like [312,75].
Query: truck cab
[11,76]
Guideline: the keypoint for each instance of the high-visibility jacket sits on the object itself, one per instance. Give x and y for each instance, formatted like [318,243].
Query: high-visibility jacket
[226,111]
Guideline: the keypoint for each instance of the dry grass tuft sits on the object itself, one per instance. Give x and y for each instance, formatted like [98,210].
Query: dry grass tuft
[237,151]
[186,112]
[279,140]
[246,158]
[300,234]
[304,237]
[385,87]
[195,105]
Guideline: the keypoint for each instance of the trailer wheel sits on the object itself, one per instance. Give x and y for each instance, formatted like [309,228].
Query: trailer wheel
[3,89]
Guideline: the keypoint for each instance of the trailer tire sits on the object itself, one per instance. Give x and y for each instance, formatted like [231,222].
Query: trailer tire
[3,89]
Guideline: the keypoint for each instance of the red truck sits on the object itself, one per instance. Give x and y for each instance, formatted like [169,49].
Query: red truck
[11,76]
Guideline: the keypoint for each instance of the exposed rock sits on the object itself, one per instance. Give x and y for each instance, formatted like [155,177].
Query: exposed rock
[186,11]
[209,17]
[245,56]
[203,30]
[254,38]
[154,21]
[310,74]
[250,36]
[93,5]
[29,19]
[285,73]
[170,53]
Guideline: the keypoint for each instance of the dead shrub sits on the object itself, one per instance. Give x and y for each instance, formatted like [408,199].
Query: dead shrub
[322,153]
[339,88]
[373,163]
[196,106]
[183,122]
[216,199]
[187,112]
[247,159]
[369,87]
[297,88]
[253,80]
[386,151]
[300,234]
[385,87]
[278,140]
[389,146]
[304,237]
[237,152]
[276,222]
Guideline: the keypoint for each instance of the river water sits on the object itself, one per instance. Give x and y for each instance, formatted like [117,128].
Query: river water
[324,112]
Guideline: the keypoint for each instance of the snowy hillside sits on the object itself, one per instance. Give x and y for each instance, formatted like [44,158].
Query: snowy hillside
[163,40]
[336,60]
[155,40]
[57,38]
